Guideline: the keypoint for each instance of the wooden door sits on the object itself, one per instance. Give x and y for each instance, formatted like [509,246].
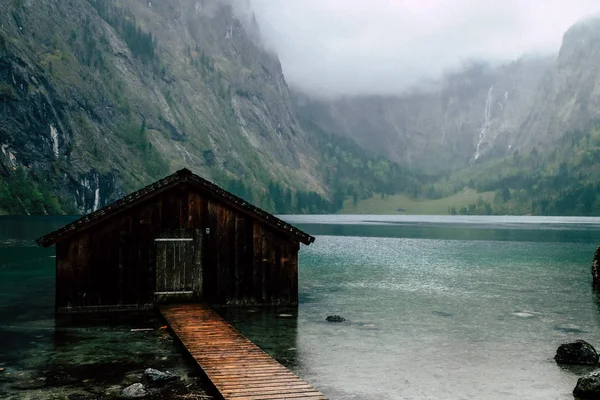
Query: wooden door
[178,265]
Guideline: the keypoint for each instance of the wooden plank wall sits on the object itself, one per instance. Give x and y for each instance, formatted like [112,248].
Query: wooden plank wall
[245,261]
[113,263]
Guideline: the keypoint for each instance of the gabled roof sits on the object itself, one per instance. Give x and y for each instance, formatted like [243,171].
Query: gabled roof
[181,176]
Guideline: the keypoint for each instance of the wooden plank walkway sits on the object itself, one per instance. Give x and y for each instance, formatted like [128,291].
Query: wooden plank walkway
[237,367]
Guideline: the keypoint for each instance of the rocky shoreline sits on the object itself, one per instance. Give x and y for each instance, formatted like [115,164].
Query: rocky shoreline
[107,362]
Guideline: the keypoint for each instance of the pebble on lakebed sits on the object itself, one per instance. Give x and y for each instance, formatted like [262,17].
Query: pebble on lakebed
[155,376]
[135,391]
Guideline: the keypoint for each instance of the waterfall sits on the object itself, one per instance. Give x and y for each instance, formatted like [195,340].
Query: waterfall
[96,194]
[54,136]
[487,116]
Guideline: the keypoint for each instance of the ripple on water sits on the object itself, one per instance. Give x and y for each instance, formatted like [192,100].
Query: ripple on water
[445,311]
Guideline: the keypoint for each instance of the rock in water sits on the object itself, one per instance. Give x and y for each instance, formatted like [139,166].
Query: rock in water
[135,391]
[335,318]
[579,352]
[596,267]
[156,376]
[588,387]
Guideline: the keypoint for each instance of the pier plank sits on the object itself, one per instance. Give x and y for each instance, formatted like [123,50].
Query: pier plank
[237,368]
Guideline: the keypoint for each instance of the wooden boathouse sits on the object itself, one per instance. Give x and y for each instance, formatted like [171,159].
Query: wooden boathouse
[181,239]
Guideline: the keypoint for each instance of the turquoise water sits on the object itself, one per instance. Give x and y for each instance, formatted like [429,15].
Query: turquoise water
[46,358]
[438,307]
[442,307]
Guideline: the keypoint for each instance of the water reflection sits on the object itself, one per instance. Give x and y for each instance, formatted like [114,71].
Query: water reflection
[273,329]
[72,357]
[526,233]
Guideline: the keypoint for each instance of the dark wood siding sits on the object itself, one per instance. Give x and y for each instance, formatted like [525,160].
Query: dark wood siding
[114,262]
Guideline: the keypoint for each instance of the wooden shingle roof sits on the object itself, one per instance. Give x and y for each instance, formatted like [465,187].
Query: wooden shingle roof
[181,176]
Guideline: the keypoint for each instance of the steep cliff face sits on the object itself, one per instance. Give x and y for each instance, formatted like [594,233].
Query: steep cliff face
[474,112]
[568,97]
[100,97]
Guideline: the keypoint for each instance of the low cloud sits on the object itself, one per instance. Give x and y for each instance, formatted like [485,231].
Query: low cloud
[350,47]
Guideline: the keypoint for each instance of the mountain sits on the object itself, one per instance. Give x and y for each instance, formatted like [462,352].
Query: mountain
[528,130]
[99,97]
[481,110]
[568,97]
[473,112]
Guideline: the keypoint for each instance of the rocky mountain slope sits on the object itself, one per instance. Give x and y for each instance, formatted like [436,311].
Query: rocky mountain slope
[99,97]
[568,97]
[481,111]
[473,112]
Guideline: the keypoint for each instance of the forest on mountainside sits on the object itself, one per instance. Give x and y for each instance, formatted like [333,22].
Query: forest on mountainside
[121,94]
[564,180]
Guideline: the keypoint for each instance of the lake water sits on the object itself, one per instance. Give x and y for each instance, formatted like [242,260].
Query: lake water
[437,307]
[46,358]
[441,307]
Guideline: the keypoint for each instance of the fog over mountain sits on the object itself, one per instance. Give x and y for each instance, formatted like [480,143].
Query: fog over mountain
[350,47]
[303,105]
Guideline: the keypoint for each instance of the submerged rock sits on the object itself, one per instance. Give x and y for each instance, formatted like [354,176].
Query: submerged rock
[335,318]
[110,392]
[156,376]
[78,396]
[588,386]
[135,391]
[568,328]
[442,313]
[579,352]
[131,377]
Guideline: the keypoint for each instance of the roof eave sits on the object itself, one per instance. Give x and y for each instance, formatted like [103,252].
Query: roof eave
[179,177]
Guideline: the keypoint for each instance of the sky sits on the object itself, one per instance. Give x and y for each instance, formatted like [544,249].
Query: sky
[333,48]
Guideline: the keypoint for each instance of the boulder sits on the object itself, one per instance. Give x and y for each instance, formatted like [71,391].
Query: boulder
[335,318]
[135,391]
[588,386]
[579,353]
[155,376]
[596,267]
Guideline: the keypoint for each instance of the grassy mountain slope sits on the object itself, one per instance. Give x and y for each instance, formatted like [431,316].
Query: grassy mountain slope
[469,199]
[563,180]
[559,181]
